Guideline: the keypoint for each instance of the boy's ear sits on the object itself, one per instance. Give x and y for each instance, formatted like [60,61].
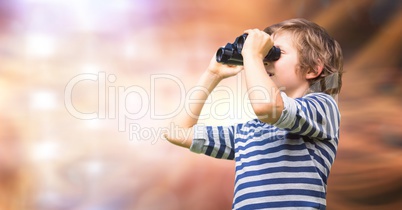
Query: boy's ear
[313,73]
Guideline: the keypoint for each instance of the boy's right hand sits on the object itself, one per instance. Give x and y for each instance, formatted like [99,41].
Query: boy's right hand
[223,71]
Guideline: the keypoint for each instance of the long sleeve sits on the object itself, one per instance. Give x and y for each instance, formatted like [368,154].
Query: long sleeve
[214,141]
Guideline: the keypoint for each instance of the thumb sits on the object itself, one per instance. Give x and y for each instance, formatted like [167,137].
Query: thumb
[238,69]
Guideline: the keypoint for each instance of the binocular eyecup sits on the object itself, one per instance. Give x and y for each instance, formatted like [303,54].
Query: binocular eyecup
[231,53]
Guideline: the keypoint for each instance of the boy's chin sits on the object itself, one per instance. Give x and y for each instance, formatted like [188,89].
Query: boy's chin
[276,82]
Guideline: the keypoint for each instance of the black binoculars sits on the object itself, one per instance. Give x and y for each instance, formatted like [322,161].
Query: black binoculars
[231,53]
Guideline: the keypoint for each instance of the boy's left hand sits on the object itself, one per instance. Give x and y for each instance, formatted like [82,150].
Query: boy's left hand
[258,43]
[222,71]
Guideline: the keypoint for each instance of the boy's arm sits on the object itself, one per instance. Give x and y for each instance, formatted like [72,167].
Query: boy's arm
[182,134]
[264,95]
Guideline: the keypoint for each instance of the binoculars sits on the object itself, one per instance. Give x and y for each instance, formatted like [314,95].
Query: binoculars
[231,53]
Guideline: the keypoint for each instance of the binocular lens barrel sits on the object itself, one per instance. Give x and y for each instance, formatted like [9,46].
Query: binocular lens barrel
[221,57]
[240,42]
[228,56]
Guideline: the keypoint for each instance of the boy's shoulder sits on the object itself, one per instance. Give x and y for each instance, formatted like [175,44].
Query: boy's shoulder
[319,97]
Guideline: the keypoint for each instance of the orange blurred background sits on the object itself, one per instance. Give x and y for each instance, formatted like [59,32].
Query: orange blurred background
[87,88]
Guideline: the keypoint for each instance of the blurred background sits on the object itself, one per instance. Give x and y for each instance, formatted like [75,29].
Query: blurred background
[88,86]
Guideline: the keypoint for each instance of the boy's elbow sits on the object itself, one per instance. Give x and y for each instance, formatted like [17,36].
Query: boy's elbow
[268,113]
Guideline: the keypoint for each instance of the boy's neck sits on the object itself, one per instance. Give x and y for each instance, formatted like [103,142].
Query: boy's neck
[298,92]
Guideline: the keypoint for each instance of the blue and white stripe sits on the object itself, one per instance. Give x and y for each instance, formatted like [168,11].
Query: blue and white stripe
[285,165]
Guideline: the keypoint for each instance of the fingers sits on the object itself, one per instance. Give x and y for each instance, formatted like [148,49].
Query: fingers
[235,69]
[257,42]
[238,69]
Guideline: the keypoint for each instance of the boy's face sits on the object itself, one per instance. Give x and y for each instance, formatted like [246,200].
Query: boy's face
[283,71]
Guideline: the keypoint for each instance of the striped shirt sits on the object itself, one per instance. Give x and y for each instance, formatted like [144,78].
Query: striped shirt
[285,165]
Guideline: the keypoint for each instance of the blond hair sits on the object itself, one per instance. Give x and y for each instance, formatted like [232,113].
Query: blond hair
[315,47]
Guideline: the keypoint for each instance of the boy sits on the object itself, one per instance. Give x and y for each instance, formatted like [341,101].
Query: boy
[283,157]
